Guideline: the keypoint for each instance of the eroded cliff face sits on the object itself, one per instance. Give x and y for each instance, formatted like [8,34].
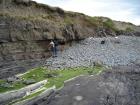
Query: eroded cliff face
[26,28]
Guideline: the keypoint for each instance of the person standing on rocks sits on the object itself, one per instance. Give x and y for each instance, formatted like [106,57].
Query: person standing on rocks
[55,47]
[52,47]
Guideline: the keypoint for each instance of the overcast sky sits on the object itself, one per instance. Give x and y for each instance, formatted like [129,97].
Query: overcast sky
[122,10]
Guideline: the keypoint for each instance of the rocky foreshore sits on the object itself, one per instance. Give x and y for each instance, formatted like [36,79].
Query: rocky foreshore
[110,51]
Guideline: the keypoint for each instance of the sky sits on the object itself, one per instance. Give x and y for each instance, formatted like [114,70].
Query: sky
[120,10]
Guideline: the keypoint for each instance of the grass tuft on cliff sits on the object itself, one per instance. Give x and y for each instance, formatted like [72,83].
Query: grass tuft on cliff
[109,24]
[128,29]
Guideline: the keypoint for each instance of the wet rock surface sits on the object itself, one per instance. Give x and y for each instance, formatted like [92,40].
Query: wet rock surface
[118,86]
[11,68]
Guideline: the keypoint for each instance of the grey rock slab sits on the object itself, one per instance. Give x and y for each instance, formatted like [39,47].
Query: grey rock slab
[112,87]
[29,81]
[12,95]
[45,96]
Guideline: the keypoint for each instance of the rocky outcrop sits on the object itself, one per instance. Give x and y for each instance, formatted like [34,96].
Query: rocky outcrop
[117,86]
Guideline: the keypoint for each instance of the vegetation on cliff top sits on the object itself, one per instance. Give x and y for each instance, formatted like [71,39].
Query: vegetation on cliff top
[54,14]
[34,13]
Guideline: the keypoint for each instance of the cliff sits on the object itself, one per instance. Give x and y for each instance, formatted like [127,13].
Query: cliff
[26,27]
